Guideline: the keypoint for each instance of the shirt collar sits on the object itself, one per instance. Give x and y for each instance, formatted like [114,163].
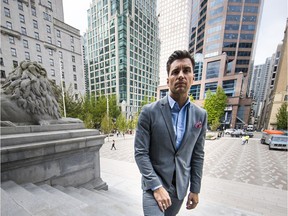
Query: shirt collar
[172,102]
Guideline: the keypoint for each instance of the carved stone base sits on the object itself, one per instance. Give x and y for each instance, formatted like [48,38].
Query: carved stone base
[66,155]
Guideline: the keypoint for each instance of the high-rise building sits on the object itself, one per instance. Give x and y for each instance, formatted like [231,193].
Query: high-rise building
[123,50]
[259,87]
[273,98]
[174,28]
[35,30]
[227,26]
[223,34]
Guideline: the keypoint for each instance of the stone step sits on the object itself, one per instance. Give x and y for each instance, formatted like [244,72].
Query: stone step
[55,202]
[10,207]
[123,197]
[26,200]
[25,138]
[40,128]
[63,196]
[44,200]
[94,206]
[104,201]
[110,205]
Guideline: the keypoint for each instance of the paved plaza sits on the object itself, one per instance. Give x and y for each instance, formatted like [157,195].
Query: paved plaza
[238,179]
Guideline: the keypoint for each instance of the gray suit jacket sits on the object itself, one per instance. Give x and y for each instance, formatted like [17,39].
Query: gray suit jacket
[155,148]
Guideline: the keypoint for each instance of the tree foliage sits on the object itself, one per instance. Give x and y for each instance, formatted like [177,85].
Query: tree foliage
[281,117]
[106,124]
[121,123]
[215,105]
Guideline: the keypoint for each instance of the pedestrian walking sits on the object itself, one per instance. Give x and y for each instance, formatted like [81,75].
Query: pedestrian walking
[113,145]
[246,139]
[243,140]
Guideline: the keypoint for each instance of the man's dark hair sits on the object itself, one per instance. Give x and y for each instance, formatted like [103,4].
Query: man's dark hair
[179,54]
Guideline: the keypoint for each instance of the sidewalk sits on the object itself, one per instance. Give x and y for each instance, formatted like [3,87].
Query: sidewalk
[218,196]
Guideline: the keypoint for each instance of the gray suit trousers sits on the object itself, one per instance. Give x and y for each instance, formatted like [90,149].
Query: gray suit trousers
[151,208]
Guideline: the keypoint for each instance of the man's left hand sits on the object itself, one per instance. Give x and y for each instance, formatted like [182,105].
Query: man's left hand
[192,200]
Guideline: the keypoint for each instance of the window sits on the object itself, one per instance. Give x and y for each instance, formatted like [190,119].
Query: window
[60,54]
[49,40]
[39,58]
[52,72]
[75,77]
[13,52]
[22,18]
[71,39]
[8,25]
[35,24]
[7,12]
[213,69]
[73,58]
[51,62]
[74,68]
[3,75]
[58,33]
[6,1]
[27,55]
[38,47]
[72,48]
[1,61]
[63,76]
[25,43]
[61,66]
[59,44]
[195,91]
[75,86]
[20,5]
[11,40]
[15,63]
[33,11]
[23,31]
[229,87]
[211,86]
[50,51]
[36,34]
[48,29]
[49,4]
[47,16]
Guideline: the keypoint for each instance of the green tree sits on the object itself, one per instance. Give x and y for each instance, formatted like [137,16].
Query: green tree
[191,98]
[73,106]
[215,105]
[281,117]
[121,123]
[106,124]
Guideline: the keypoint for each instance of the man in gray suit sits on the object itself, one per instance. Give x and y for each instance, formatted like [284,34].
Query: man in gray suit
[169,143]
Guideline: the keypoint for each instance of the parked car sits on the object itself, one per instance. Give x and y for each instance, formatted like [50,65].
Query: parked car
[237,133]
[248,133]
[277,142]
[229,131]
[267,133]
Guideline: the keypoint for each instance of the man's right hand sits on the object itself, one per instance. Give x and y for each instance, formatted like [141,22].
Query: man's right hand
[162,198]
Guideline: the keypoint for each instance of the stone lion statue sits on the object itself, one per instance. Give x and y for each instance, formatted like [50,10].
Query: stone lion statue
[27,97]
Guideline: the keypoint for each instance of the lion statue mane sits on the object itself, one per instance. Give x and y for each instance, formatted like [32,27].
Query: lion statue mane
[27,97]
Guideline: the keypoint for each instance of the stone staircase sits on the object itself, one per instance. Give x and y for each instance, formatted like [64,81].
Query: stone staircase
[43,200]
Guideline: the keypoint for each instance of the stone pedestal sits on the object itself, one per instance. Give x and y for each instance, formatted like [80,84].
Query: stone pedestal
[64,154]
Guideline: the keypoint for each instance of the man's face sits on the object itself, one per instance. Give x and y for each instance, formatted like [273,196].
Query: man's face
[180,77]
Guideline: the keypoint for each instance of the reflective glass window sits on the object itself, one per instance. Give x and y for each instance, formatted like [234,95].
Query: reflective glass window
[213,69]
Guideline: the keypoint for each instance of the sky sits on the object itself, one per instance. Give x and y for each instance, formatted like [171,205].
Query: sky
[270,34]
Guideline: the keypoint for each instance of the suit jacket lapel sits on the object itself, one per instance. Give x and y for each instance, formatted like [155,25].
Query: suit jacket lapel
[166,113]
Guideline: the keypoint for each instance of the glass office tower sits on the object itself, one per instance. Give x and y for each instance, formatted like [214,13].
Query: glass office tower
[123,50]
